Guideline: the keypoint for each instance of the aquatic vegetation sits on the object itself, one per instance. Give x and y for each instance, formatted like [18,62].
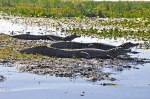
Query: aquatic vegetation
[113,28]
[75,8]
[128,28]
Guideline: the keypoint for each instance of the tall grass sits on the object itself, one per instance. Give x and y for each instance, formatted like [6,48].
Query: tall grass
[75,8]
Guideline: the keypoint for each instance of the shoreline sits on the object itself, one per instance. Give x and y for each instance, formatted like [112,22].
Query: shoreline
[88,69]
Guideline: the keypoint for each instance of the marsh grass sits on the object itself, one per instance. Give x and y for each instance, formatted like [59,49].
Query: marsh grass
[75,8]
[10,50]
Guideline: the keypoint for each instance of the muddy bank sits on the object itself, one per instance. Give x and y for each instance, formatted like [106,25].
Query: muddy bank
[88,69]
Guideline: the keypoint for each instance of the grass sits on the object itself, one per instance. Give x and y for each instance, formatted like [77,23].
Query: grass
[76,8]
[10,50]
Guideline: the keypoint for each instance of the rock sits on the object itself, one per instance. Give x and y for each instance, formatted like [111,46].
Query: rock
[2,78]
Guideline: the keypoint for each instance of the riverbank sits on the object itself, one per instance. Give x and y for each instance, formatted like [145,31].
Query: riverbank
[72,78]
[63,67]
[88,69]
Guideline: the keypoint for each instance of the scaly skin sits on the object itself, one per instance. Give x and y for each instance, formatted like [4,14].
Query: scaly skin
[77,53]
[77,45]
[45,37]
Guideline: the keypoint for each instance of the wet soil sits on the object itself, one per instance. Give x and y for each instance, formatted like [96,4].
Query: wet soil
[88,69]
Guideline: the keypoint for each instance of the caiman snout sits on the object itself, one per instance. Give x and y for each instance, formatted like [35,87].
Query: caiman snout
[119,51]
[128,45]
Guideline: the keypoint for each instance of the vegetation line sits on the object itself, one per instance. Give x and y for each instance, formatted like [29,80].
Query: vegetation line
[76,8]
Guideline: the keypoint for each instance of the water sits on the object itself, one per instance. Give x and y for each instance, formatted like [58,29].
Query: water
[132,84]
[22,26]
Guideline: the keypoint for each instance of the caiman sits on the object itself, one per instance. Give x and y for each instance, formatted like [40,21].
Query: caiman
[45,37]
[77,53]
[77,45]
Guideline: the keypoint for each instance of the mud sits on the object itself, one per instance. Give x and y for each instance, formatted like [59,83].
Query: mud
[88,69]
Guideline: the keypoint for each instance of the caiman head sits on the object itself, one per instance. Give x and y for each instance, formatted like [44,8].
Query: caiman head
[128,45]
[71,37]
[118,51]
